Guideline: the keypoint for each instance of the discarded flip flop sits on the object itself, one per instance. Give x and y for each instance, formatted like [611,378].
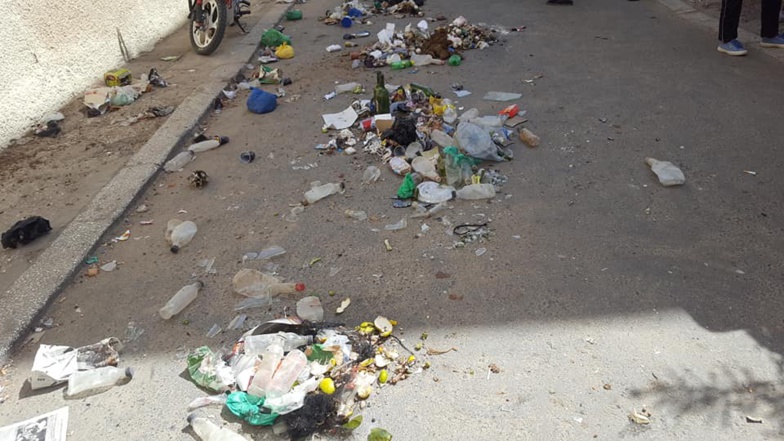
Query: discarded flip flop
[247,157]
[464,229]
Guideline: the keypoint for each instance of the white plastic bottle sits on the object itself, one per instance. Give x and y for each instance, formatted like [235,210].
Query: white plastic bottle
[667,172]
[476,191]
[182,235]
[178,162]
[319,192]
[431,193]
[180,300]
[95,381]
[209,144]
[209,431]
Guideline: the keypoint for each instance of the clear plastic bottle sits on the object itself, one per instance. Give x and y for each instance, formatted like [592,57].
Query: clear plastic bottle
[285,288]
[182,235]
[476,191]
[450,115]
[266,368]
[453,172]
[346,88]
[426,168]
[257,344]
[209,431]
[319,192]
[442,138]
[180,300]
[667,172]
[431,193]
[178,162]
[95,381]
[425,59]
[288,372]
[170,226]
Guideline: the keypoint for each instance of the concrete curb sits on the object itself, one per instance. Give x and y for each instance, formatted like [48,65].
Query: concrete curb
[47,276]
[705,21]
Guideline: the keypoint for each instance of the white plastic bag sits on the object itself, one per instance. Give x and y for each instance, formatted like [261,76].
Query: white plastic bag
[476,142]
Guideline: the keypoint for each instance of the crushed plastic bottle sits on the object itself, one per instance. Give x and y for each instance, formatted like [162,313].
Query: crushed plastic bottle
[178,162]
[180,300]
[426,168]
[476,191]
[209,431]
[432,193]
[371,174]
[356,214]
[266,253]
[85,383]
[667,172]
[294,399]
[181,235]
[318,192]
[402,224]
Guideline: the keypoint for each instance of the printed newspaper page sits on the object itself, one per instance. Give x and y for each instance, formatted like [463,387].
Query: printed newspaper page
[50,426]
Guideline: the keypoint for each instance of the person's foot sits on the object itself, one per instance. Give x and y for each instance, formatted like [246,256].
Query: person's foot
[777,41]
[734,48]
[560,2]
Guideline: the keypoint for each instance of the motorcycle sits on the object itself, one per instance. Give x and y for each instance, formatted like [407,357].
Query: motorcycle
[209,19]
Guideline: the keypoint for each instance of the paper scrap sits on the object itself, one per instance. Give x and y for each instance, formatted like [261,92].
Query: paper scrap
[52,426]
[342,120]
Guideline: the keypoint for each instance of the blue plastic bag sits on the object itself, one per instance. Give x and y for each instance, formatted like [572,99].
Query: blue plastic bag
[261,101]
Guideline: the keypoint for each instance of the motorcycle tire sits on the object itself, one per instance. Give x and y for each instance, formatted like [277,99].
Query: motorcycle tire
[206,39]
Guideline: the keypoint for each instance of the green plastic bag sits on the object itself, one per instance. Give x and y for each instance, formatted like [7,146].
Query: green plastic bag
[409,185]
[248,407]
[274,38]
[203,366]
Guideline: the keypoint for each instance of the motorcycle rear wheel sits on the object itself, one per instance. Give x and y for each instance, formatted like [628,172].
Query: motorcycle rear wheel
[207,36]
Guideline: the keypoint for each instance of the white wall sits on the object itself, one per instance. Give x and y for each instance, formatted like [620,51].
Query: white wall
[51,50]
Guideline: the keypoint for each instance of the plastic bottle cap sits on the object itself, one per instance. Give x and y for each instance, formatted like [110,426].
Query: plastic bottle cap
[201,284]
[174,249]
[129,372]
[190,418]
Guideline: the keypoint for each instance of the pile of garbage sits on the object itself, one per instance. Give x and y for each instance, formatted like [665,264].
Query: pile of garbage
[419,46]
[352,11]
[302,375]
[121,90]
[420,136]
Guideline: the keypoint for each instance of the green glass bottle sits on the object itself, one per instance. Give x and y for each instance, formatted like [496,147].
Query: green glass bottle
[381,95]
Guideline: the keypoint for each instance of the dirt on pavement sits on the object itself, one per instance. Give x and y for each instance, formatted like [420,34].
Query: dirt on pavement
[57,177]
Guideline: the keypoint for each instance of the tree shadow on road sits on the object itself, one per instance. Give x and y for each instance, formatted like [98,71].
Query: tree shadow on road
[729,396]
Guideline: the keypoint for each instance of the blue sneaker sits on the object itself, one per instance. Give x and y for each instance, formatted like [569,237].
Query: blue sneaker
[733,47]
[777,41]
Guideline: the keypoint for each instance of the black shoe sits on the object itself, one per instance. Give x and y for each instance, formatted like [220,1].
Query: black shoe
[560,2]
